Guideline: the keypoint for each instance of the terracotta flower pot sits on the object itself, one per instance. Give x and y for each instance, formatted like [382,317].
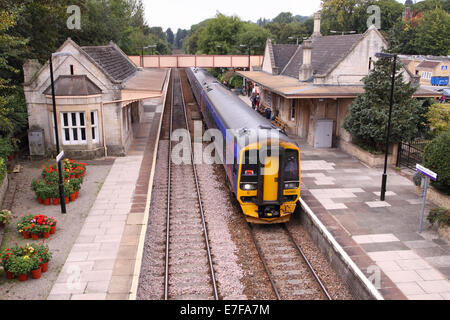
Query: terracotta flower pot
[35,236]
[47,201]
[40,200]
[23,277]
[72,197]
[36,274]
[78,176]
[9,275]
[26,235]
[55,201]
[66,200]
[77,194]
[44,267]
[46,235]
[53,229]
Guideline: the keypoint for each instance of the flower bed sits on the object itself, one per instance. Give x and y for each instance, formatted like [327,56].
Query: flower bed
[36,226]
[19,261]
[47,187]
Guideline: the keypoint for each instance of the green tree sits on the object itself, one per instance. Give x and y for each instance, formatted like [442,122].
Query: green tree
[433,33]
[368,114]
[436,157]
[170,37]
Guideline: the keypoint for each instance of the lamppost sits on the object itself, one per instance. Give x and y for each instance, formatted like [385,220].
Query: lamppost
[61,181]
[142,57]
[342,32]
[249,48]
[394,64]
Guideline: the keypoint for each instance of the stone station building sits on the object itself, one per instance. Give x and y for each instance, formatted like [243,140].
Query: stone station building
[99,98]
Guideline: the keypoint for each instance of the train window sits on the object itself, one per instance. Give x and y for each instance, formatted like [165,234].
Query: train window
[293,110]
[291,166]
[249,170]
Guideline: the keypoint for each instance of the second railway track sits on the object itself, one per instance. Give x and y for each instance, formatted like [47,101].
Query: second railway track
[189,272]
[290,272]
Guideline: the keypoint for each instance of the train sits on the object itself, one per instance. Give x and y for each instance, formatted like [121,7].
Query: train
[261,162]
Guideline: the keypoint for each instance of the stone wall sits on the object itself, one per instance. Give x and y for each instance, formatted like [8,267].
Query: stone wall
[3,189]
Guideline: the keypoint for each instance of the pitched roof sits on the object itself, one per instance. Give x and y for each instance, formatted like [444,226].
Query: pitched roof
[428,64]
[282,53]
[327,51]
[74,85]
[112,61]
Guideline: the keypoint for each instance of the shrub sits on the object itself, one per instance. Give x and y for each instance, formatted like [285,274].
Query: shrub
[436,157]
[2,170]
[5,216]
[442,215]
[438,117]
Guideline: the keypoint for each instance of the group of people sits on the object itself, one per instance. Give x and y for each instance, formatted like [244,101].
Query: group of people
[252,91]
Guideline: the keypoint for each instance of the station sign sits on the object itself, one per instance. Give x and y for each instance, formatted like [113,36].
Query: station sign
[427,172]
[60,156]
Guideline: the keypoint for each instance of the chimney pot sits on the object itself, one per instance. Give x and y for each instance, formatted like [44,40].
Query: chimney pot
[316,32]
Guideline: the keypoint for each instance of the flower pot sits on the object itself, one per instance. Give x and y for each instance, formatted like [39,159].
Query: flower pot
[35,236]
[40,200]
[9,275]
[77,194]
[23,277]
[72,197]
[46,235]
[55,201]
[36,274]
[44,266]
[78,176]
[53,229]
[47,202]
[26,235]
[66,200]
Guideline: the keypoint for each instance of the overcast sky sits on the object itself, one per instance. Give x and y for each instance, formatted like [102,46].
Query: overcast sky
[184,13]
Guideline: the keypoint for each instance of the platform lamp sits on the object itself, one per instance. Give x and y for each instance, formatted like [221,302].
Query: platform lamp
[61,181]
[142,56]
[394,65]
[249,48]
[342,32]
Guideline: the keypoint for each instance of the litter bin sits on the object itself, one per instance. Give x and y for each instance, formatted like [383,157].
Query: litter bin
[268,113]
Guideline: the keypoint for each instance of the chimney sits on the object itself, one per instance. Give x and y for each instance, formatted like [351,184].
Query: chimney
[316,32]
[306,70]
[30,68]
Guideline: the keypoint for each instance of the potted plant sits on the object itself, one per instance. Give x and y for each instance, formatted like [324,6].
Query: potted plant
[35,231]
[8,253]
[44,254]
[36,270]
[20,266]
[5,217]
[52,223]
[76,186]
[24,226]
[67,191]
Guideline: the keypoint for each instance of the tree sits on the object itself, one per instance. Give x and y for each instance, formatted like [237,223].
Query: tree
[368,114]
[170,36]
[433,33]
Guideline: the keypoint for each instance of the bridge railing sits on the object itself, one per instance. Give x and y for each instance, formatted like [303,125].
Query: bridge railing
[202,61]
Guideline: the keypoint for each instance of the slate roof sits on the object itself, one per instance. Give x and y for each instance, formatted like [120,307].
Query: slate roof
[112,61]
[74,85]
[282,53]
[428,64]
[326,52]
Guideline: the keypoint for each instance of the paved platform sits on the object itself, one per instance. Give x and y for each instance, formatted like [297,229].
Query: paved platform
[345,194]
[101,264]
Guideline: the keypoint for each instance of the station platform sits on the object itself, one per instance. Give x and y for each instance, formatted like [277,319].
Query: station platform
[345,194]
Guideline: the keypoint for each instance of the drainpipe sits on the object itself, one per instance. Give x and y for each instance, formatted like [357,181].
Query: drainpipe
[103,130]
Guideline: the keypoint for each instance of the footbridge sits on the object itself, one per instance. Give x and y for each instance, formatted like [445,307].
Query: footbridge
[201,61]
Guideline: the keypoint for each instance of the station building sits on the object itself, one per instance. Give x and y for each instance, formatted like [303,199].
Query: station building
[99,98]
[311,86]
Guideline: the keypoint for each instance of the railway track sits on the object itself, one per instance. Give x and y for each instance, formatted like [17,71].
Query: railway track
[189,272]
[290,273]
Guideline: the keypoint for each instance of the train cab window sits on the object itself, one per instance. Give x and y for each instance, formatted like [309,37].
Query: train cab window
[291,174]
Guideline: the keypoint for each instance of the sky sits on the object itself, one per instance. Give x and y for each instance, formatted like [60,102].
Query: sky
[184,13]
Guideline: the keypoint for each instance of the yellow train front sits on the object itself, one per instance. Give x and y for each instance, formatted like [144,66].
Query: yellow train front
[261,163]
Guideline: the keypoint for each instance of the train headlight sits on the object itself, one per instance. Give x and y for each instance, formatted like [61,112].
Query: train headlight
[291,185]
[248,186]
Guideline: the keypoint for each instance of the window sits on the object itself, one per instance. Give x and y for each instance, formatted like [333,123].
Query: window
[94,126]
[269,99]
[73,127]
[293,110]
